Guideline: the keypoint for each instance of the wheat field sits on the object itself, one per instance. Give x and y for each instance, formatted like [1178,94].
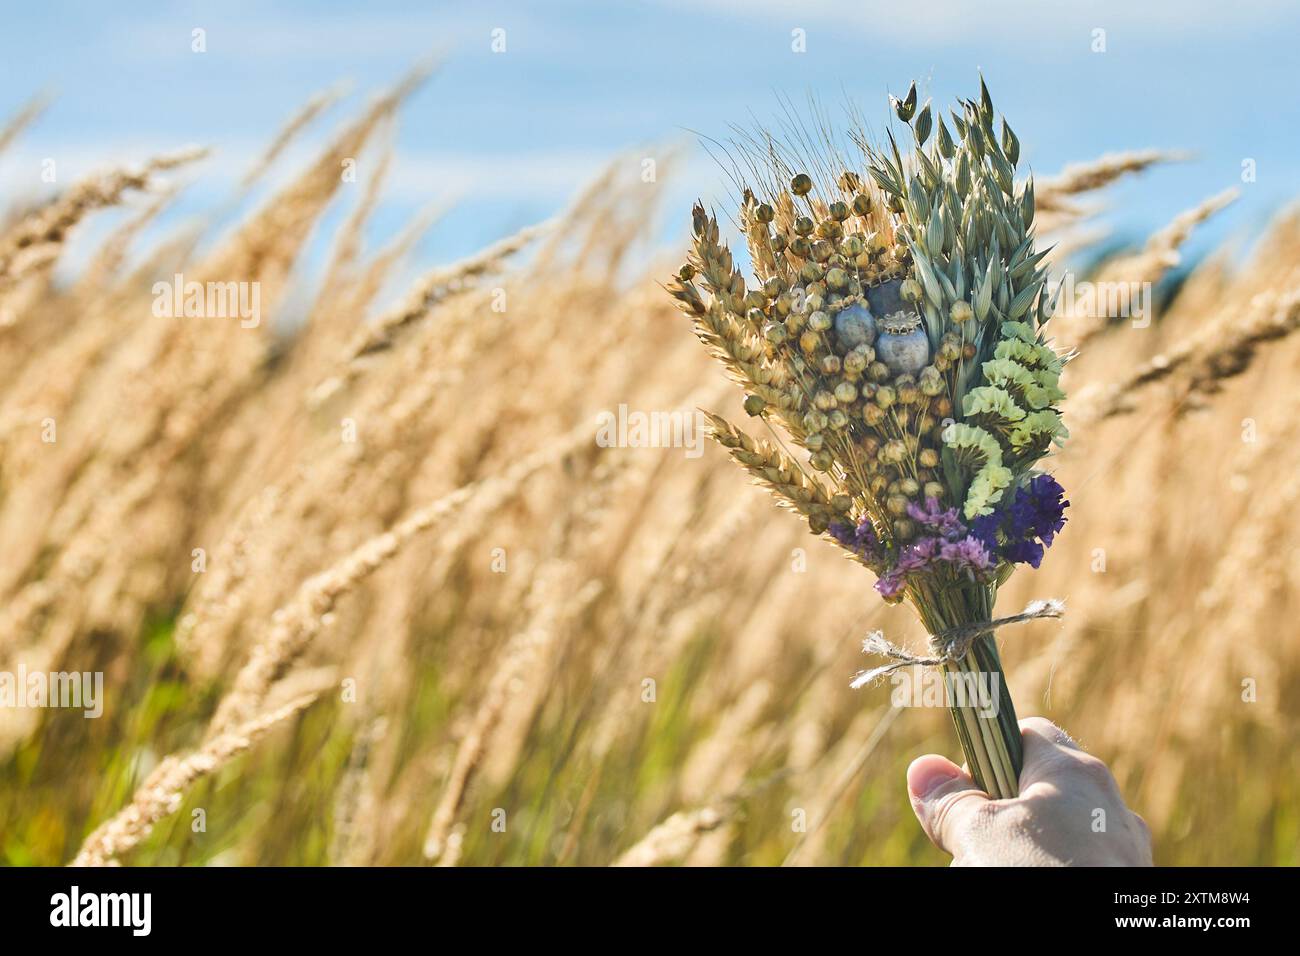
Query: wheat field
[365,589]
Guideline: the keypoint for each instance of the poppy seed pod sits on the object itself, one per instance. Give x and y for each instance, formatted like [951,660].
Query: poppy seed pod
[764,213]
[801,185]
[886,298]
[855,326]
[803,226]
[902,344]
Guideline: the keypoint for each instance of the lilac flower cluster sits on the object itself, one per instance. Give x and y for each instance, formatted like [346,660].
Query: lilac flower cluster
[861,540]
[1017,532]
[946,543]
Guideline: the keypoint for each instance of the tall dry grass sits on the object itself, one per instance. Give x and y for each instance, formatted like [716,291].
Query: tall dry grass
[434,622]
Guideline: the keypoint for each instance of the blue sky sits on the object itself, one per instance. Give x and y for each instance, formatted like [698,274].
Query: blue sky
[509,136]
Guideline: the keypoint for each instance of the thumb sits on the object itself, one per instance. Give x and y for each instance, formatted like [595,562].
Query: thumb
[945,800]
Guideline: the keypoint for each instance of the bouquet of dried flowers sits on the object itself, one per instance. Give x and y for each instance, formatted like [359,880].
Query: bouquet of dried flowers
[895,332]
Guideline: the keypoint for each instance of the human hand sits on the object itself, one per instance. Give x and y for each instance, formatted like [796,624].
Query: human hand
[1069,812]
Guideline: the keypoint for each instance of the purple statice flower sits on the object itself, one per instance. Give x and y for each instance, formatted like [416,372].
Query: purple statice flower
[1026,551]
[890,583]
[842,532]
[918,555]
[1021,529]
[968,554]
[1044,507]
[985,529]
[945,523]
[965,554]
[860,539]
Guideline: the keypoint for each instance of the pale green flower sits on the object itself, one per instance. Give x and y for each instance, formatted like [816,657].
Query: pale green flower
[992,400]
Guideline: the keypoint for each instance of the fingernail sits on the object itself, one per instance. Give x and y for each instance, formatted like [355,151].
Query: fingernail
[926,776]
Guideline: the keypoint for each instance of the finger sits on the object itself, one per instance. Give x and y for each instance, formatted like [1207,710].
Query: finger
[1044,728]
[1048,751]
[1140,822]
[945,800]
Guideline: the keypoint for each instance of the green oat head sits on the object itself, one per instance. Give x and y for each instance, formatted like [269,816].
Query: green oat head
[969,229]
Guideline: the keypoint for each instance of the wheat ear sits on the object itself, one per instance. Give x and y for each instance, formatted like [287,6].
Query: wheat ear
[793,487]
[163,790]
